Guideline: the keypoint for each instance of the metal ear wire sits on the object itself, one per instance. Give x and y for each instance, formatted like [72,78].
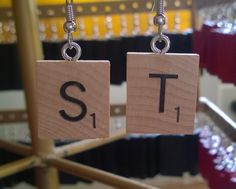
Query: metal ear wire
[70,26]
[159,21]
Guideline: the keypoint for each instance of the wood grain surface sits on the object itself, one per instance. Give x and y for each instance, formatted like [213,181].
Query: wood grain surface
[95,77]
[144,114]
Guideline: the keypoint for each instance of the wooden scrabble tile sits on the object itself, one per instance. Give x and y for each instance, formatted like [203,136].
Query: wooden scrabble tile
[73,99]
[161,93]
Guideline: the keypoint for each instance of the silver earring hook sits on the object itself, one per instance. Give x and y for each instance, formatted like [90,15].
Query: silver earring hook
[70,26]
[159,21]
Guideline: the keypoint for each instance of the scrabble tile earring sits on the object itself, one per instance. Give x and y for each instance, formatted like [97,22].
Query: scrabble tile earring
[73,96]
[161,88]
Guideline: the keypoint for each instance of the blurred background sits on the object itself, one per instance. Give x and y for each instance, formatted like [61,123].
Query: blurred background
[108,30]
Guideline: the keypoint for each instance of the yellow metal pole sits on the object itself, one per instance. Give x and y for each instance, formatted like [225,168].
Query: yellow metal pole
[18,166]
[84,145]
[15,147]
[94,174]
[30,49]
